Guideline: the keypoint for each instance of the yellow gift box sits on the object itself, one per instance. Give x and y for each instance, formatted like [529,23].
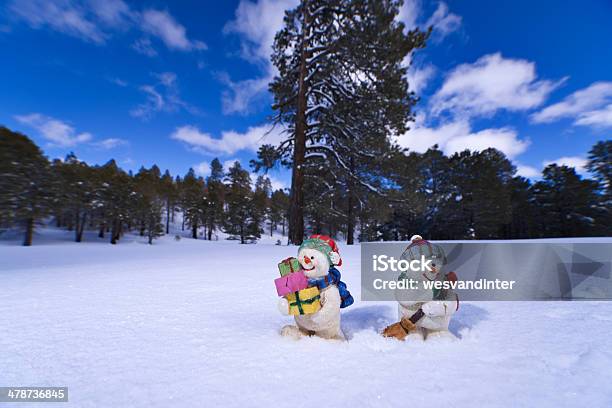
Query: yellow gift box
[305,301]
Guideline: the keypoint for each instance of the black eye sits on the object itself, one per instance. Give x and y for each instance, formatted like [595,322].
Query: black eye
[433,264]
[312,257]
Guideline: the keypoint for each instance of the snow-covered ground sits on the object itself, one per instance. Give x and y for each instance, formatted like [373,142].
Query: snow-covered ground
[194,323]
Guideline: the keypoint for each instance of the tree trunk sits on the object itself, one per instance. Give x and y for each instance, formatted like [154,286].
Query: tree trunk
[77,226]
[101,232]
[194,231]
[115,232]
[29,233]
[296,209]
[167,216]
[241,234]
[210,231]
[80,228]
[350,213]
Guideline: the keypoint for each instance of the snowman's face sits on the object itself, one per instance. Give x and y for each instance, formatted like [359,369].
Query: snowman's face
[314,263]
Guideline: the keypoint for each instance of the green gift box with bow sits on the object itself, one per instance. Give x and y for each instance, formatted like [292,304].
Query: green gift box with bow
[288,266]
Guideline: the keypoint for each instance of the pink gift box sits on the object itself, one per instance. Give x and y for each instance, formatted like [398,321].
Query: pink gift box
[291,283]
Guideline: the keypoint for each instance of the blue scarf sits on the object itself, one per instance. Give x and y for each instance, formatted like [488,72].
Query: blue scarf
[333,278]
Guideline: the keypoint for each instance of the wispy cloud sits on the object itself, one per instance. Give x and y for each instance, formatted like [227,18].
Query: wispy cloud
[60,133]
[145,47]
[443,21]
[256,23]
[57,132]
[162,96]
[418,77]
[174,35]
[110,143]
[63,16]
[98,20]
[591,106]
[411,13]
[229,142]
[490,84]
[118,81]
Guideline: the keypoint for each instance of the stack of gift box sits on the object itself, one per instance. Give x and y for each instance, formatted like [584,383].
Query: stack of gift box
[293,285]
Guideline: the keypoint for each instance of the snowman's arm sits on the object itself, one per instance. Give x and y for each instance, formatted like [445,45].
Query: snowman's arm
[330,304]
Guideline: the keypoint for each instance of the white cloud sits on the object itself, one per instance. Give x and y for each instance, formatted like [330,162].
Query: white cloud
[202,169]
[162,96]
[63,16]
[579,163]
[229,163]
[174,35]
[241,95]
[456,136]
[110,143]
[490,84]
[443,21]
[230,141]
[527,171]
[596,118]
[97,20]
[114,13]
[118,81]
[591,106]
[256,23]
[409,13]
[277,184]
[418,77]
[57,132]
[145,47]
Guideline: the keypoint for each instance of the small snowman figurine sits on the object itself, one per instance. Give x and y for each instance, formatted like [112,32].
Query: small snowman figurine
[429,316]
[318,257]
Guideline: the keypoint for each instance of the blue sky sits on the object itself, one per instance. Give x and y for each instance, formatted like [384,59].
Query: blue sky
[179,83]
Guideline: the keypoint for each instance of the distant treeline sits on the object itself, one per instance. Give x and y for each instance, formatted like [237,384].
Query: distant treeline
[469,195]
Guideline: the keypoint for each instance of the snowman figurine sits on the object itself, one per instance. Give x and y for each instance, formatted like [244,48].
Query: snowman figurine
[428,314]
[318,257]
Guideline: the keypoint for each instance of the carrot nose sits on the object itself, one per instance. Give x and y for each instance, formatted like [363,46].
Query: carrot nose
[307,260]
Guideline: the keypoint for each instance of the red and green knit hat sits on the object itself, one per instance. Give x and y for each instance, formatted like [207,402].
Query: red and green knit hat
[324,244]
[419,247]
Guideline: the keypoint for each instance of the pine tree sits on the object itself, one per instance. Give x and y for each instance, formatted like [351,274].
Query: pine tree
[524,221]
[279,208]
[169,195]
[153,221]
[600,164]
[568,205]
[216,196]
[241,217]
[193,201]
[339,62]
[261,200]
[25,193]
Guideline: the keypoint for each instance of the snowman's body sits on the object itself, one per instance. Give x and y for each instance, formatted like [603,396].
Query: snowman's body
[326,322]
